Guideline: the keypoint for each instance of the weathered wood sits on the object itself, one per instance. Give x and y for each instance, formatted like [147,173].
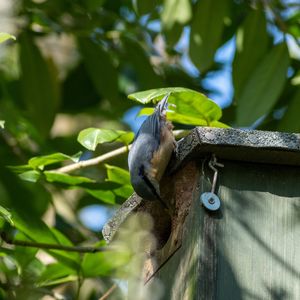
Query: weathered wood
[256,251]
[243,145]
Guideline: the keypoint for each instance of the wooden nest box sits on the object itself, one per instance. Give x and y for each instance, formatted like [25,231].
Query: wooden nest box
[247,249]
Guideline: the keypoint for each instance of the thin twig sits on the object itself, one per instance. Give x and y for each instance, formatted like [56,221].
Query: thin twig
[99,159]
[108,293]
[52,246]
[93,161]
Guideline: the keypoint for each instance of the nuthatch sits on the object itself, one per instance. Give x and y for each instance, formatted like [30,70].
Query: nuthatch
[151,152]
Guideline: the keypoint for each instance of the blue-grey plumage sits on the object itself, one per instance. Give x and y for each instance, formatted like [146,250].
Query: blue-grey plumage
[150,153]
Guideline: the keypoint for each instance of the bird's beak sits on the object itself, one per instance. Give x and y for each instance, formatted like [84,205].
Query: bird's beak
[163,104]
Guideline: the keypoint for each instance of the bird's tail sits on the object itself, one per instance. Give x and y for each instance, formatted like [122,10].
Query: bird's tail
[163,104]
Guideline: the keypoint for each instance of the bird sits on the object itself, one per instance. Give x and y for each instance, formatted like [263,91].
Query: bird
[151,152]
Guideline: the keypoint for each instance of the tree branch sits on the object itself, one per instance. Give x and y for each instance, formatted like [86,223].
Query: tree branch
[79,249]
[99,159]
[93,161]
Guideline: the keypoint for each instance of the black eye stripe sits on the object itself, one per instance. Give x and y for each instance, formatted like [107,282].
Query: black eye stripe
[142,170]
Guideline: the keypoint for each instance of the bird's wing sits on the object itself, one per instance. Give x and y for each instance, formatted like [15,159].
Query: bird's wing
[152,127]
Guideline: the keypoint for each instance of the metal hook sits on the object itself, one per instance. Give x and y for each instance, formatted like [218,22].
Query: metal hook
[210,200]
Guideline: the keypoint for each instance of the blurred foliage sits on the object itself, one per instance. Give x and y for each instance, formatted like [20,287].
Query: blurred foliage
[66,68]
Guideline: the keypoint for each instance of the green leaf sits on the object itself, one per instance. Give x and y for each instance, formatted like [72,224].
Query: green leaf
[40,88]
[2,122]
[293,24]
[264,86]
[175,11]
[117,174]
[173,34]
[38,231]
[42,161]
[105,196]
[218,124]
[100,68]
[191,107]
[139,60]
[93,5]
[20,168]
[290,121]
[251,45]
[91,137]
[124,191]
[56,273]
[206,31]
[26,199]
[143,7]
[6,36]
[66,178]
[24,255]
[109,192]
[103,263]
[6,215]
[31,176]
[296,79]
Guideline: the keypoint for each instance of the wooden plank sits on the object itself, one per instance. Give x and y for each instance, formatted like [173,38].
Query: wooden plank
[259,240]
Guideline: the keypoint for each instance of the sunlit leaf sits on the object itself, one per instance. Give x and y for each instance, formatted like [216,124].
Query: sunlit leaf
[264,87]
[53,273]
[175,11]
[293,23]
[91,137]
[2,124]
[218,124]
[124,191]
[66,178]
[6,215]
[45,281]
[20,168]
[6,36]
[206,31]
[42,161]
[117,174]
[251,45]
[31,176]
[189,107]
